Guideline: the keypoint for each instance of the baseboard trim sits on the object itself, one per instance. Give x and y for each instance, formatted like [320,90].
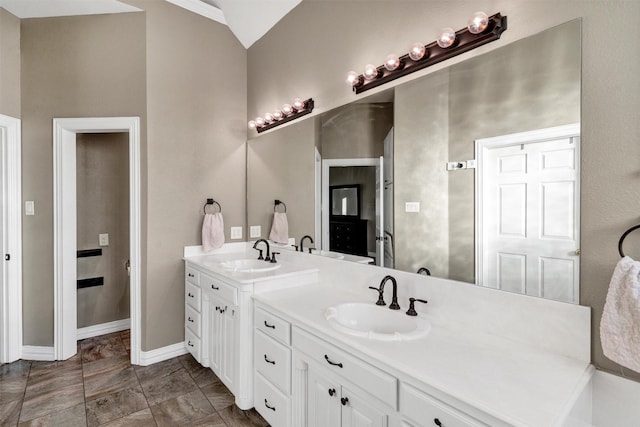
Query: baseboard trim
[163,353]
[103,328]
[34,352]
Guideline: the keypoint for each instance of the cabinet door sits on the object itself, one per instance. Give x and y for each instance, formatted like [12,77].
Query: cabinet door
[323,400]
[228,355]
[214,332]
[357,412]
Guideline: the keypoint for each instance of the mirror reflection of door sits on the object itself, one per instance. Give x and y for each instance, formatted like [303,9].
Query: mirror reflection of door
[528,190]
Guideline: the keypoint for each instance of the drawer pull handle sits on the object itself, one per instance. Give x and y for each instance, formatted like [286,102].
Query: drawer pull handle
[273,362]
[332,391]
[344,401]
[437,422]
[190,319]
[215,288]
[332,363]
[190,295]
[268,325]
[189,343]
[266,403]
[191,275]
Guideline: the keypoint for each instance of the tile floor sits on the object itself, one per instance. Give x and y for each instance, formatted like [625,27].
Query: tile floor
[99,387]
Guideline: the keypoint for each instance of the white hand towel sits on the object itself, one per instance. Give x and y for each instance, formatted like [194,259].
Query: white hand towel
[280,228]
[620,324]
[212,231]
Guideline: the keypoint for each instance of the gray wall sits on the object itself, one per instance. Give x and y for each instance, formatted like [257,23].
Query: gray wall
[9,64]
[281,166]
[610,128]
[102,193]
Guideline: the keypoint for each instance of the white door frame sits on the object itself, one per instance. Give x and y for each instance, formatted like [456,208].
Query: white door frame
[11,286]
[326,165]
[571,130]
[64,227]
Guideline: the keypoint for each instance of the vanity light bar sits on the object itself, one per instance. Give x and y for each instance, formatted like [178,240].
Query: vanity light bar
[288,112]
[481,30]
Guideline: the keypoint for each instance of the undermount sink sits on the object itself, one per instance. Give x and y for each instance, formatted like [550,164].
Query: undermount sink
[328,254]
[249,265]
[376,322]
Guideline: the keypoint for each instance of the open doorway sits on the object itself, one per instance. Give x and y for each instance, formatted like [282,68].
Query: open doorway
[65,139]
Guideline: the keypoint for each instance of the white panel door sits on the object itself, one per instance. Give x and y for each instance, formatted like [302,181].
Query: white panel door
[380,208]
[358,412]
[529,217]
[323,400]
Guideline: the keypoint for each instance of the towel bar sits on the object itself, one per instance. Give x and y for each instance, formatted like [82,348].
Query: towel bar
[624,236]
[211,202]
[279,202]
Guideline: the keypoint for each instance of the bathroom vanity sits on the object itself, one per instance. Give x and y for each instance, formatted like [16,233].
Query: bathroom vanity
[488,358]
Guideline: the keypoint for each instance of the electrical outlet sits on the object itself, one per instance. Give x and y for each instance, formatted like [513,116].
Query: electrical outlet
[255,231]
[236,232]
[412,207]
[104,239]
[471,164]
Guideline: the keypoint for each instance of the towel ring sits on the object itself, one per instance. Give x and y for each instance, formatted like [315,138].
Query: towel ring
[278,202]
[624,235]
[211,202]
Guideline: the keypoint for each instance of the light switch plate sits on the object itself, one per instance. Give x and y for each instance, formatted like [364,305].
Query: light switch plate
[104,239]
[255,231]
[29,208]
[236,232]
[412,207]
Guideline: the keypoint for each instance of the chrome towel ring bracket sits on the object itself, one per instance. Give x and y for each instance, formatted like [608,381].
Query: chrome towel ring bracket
[624,236]
[211,202]
[279,202]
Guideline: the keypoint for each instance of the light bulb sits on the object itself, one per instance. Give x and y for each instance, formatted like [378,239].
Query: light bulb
[260,122]
[287,109]
[478,22]
[446,38]
[278,115]
[252,124]
[392,62]
[353,78]
[370,72]
[298,104]
[268,117]
[417,52]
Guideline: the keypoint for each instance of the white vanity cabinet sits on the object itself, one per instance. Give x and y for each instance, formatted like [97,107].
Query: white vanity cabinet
[222,339]
[193,313]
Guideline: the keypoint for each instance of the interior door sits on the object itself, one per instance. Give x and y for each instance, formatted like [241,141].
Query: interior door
[380,208]
[530,217]
[389,253]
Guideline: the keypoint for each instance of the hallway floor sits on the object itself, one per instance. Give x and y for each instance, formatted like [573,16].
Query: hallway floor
[99,387]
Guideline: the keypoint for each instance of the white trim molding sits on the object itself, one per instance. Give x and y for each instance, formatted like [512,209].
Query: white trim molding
[161,354]
[103,329]
[64,229]
[11,286]
[34,352]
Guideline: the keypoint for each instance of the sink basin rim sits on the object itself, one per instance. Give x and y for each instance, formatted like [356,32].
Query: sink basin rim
[249,265]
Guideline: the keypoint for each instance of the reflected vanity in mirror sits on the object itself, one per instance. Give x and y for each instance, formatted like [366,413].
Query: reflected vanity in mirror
[459,182]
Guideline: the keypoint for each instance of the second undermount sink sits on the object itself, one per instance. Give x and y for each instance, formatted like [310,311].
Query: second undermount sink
[249,265]
[328,254]
[376,322]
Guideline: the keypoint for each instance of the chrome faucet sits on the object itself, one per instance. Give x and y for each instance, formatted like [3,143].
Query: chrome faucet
[302,242]
[268,257]
[394,299]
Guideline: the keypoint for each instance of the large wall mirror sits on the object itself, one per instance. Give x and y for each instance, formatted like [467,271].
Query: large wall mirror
[470,173]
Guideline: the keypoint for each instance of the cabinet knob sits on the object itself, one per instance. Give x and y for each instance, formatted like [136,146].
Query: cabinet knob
[332,391]
[344,401]
[437,422]
[191,275]
[266,403]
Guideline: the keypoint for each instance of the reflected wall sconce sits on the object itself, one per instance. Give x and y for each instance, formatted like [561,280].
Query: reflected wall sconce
[288,112]
[481,29]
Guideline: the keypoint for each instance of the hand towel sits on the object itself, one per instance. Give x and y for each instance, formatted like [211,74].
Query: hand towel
[212,231]
[280,228]
[620,324]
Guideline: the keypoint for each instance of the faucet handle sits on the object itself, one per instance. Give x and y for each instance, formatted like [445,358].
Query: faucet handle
[295,247]
[310,249]
[273,257]
[412,311]
[260,257]
[380,295]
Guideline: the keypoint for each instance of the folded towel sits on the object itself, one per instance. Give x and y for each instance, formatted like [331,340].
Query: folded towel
[280,228]
[620,324]
[212,231]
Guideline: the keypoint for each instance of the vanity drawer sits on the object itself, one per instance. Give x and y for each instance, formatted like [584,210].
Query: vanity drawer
[192,343]
[273,360]
[274,406]
[219,288]
[420,408]
[371,379]
[192,320]
[192,295]
[192,275]
[273,326]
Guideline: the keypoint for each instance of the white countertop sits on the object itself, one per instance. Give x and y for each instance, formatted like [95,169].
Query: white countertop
[517,384]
